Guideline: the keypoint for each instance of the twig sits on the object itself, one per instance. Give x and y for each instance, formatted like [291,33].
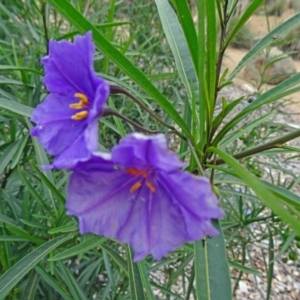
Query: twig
[111,112]
[43,13]
[213,170]
[195,156]
[221,47]
[115,89]
[276,143]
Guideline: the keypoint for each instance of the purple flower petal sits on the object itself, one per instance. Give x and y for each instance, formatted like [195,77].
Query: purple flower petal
[56,131]
[67,159]
[69,67]
[155,225]
[67,121]
[143,201]
[137,149]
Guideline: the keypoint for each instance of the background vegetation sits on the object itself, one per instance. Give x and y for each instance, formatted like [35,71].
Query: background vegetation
[169,56]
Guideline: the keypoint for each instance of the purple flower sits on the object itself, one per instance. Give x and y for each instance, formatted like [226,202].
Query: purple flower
[138,195]
[67,121]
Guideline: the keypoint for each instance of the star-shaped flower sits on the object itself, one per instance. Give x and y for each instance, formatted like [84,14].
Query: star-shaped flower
[138,195]
[67,121]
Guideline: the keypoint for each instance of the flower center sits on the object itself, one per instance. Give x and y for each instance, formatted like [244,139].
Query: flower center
[83,102]
[138,184]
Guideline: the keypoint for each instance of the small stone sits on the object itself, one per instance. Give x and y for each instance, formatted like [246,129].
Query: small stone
[248,88]
[281,287]
[251,277]
[243,287]
[296,285]
[294,294]
[281,278]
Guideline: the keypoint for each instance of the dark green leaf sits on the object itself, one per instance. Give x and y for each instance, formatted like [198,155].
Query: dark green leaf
[10,278]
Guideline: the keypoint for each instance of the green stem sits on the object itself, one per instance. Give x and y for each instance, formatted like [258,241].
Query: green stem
[115,89]
[43,13]
[277,143]
[111,112]
[196,157]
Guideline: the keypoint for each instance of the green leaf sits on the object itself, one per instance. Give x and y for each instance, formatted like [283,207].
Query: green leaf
[33,191]
[285,195]
[178,45]
[286,245]
[16,273]
[186,19]
[145,279]
[241,131]
[88,244]
[243,19]
[77,19]
[8,154]
[16,107]
[72,284]
[211,33]
[12,238]
[16,68]
[98,26]
[237,266]
[204,106]
[115,257]
[211,268]
[52,282]
[273,94]
[42,160]
[266,41]
[8,81]
[52,188]
[270,271]
[12,226]
[117,121]
[282,89]
[224,112]
[135,282]
[268,198]
[282,193]
[30,290]
[19,152]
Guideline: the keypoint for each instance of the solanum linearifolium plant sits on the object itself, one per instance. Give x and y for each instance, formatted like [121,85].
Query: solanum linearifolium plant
[100,204]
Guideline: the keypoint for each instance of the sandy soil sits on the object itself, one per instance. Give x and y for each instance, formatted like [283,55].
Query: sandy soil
[259,27]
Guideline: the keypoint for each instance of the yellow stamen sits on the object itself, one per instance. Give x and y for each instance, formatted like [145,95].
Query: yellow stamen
[83,98]
[76,105]
[135,187]
[150,186]
[80,115]
[82,103]
[136,172]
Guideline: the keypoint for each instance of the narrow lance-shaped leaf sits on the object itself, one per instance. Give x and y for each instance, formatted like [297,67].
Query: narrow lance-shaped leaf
[204,107]
[211,268]
[211,33]
[188,26]
[10,278]
[243,19]
[264,42]
[16,107]
[90,243]
[282,89]
[267,197]
[135,281]
[42,160]
[178,45]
